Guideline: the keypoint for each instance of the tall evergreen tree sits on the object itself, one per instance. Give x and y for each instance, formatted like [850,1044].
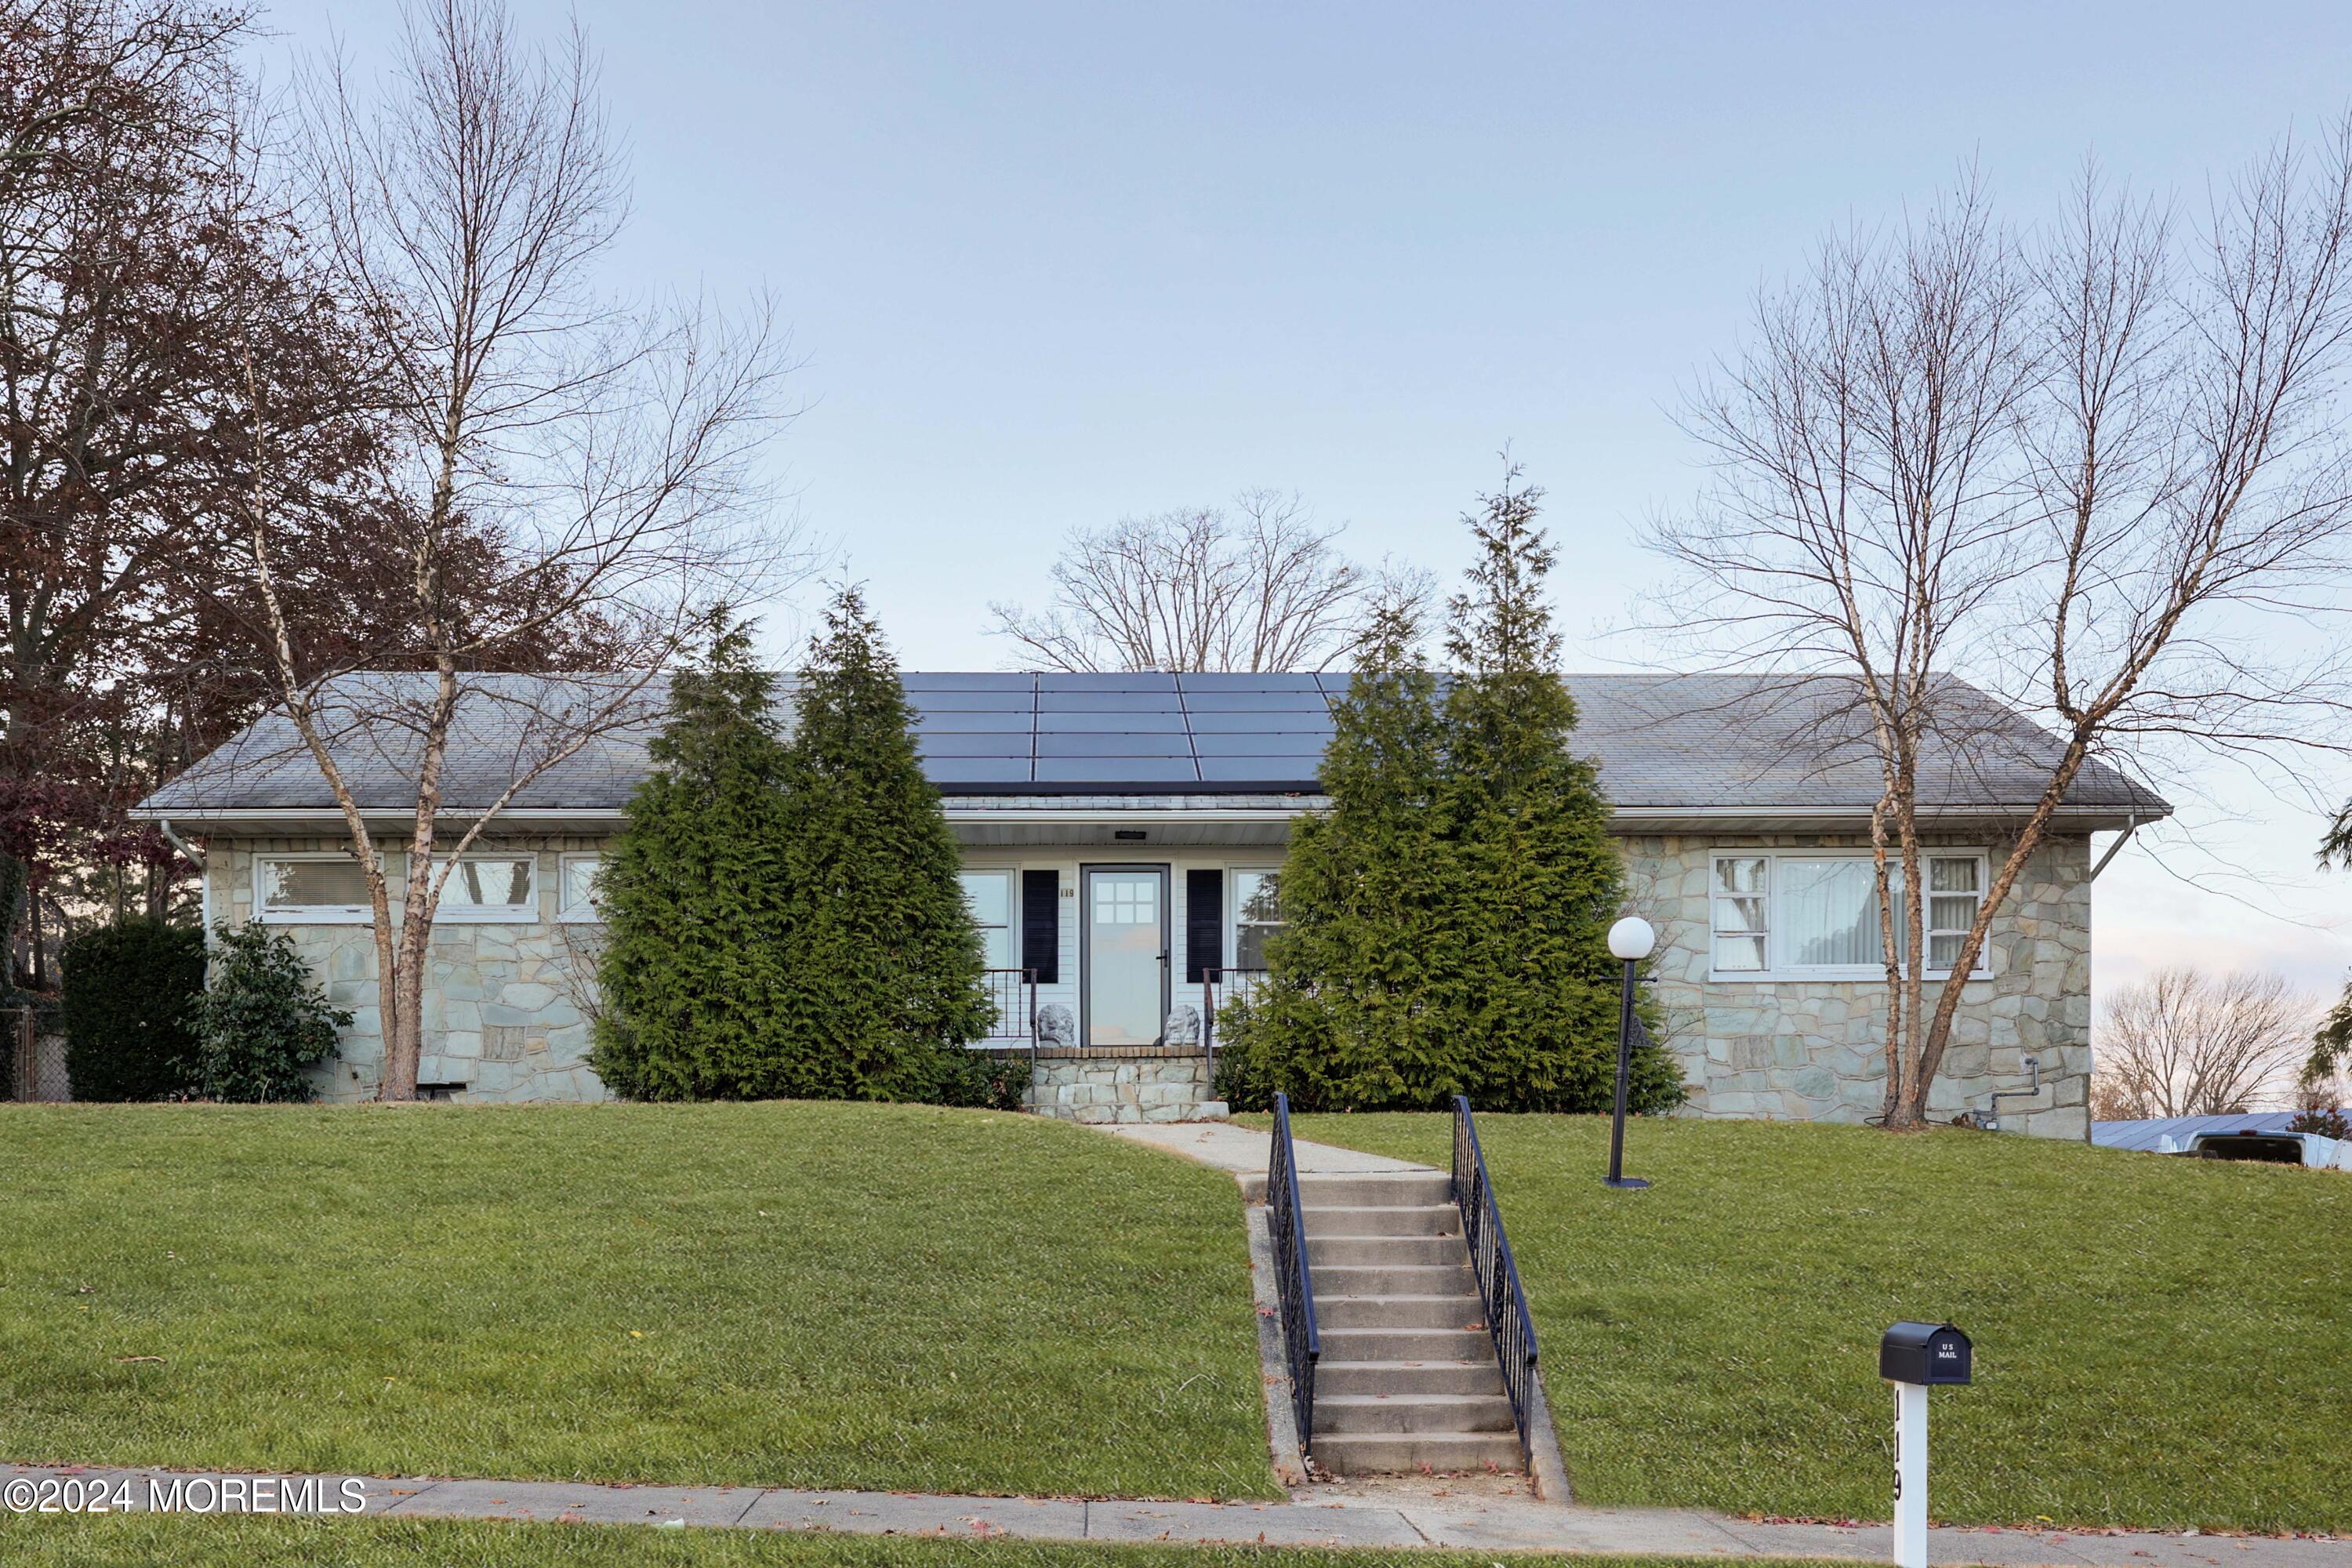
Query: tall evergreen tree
[1447,920]
[886,970]
[1534,876]
[1345,1019]
[696,896]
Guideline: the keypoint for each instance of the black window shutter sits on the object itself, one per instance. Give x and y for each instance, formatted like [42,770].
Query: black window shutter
[1040,924]
[1204,923]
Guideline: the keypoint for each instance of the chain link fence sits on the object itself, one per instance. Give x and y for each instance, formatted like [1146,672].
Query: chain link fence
[32,1055]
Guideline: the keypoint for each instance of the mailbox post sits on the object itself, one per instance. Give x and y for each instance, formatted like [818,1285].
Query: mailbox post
[1915,1357]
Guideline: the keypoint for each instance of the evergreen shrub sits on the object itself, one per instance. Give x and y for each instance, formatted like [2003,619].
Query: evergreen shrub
[128,991]
[785,915]
[1446,921]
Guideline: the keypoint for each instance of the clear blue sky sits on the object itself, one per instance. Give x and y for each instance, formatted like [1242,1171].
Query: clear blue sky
[1052,264]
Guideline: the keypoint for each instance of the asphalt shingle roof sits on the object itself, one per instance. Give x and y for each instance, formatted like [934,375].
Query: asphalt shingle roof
[1702,742]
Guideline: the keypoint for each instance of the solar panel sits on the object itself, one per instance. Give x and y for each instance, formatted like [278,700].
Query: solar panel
[1257,702]
[971,701]
[968,680]
[1271,772]
[1238,681]
[1284,744]
[1245,723]
[1009,747]
[1141,723]
[1003,733]
[1146,680]
[1116,771]
[1063,745]
[985,722]
[950,771]
[1108,703]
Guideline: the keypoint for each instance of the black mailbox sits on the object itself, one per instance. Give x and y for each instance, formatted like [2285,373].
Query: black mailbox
[1924,1353]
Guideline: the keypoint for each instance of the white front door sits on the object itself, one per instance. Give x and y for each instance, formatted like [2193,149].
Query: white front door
[1126,995]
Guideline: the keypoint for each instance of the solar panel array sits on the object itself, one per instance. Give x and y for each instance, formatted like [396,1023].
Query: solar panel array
[1108,735]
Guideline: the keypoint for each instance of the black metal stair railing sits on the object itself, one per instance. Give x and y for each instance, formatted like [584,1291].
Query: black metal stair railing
[1302,1344]
[1496,1271]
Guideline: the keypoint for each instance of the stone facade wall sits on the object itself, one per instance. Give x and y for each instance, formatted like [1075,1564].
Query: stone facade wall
[506,1005]
[1136,1088]
[1814,1049]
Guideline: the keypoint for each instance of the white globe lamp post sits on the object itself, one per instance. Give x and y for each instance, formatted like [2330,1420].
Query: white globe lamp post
[1630,940]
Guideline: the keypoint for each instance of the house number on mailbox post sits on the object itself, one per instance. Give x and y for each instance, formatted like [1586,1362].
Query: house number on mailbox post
[1914,1357]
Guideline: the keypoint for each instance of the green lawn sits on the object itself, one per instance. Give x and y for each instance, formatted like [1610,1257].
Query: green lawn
[2160,1341]
[897,1298]
[136,1541]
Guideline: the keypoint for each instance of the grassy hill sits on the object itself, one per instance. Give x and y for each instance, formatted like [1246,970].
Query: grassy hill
[811,1294]
[2159,1341]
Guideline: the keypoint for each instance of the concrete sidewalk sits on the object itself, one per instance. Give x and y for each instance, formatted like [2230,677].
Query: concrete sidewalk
[1243,1150]
[1429,1519]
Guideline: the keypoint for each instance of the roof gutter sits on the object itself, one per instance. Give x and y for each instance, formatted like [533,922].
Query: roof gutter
[1084,810]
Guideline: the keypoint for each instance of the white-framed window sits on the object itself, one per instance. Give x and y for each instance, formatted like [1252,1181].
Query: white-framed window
[1258,913]
[312,888]
[579,885]
[493,887]
[987,893]
[1742,923]
[1814,914]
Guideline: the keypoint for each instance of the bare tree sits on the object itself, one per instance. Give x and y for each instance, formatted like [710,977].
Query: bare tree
[2090,468]
[1259,587]
[549,459]
[2183,1043]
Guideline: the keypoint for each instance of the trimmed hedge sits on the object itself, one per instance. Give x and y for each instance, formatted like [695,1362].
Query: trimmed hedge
[128,990]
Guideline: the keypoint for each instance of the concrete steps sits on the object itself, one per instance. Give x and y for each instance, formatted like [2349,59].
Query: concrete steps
[1379,1453]
[1407,1380]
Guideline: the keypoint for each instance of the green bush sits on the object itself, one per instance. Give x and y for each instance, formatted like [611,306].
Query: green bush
[263,1023]
[983,1079]
[128,990]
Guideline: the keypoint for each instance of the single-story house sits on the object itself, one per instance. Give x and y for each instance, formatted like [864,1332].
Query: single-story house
[1123,838]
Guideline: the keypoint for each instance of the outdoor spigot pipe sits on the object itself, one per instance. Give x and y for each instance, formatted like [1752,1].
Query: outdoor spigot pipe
[2032,1086]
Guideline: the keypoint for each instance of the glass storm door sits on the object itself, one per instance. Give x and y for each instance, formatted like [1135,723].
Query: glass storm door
[1127,954]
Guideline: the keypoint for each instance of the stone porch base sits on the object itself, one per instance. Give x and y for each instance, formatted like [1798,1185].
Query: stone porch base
[1126,1084]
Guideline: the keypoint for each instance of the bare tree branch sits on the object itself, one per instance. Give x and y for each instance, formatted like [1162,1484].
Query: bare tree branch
[2183,1043]
[1259,587]
[2094,468]
[553,459]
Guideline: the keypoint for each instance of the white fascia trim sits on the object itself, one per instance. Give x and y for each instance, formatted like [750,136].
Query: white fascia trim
[260,819]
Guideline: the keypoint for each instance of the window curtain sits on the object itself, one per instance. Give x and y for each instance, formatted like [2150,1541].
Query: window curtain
[1827,912]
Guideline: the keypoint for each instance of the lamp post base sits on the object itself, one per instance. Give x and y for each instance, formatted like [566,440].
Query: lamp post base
[1623,1184]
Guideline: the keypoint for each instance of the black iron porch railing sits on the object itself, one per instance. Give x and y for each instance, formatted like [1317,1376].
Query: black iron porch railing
[1302,1344]
[1219,986]
[1014,993]
[1496,1271]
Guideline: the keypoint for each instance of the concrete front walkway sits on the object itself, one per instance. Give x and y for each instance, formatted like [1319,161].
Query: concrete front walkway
[1243,1150]
[1421,1514]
